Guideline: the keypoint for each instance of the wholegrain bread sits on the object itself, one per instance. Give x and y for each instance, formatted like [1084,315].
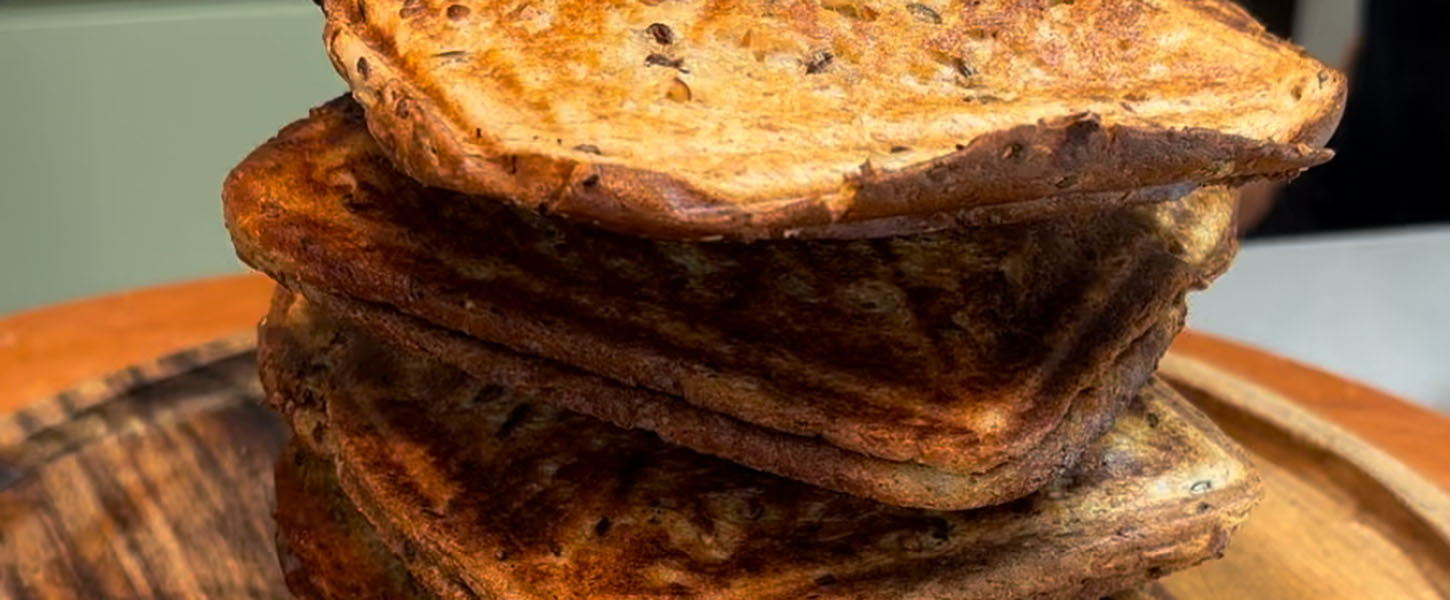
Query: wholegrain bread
[960,350]
[697,119]
[482,492]
[801,458]
[337,573]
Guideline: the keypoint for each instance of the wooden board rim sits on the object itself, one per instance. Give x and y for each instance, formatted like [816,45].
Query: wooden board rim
[1418,494]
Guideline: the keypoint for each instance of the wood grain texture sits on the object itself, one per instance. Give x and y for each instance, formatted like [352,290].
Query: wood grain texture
[156,483]
[153,483]
[46,350]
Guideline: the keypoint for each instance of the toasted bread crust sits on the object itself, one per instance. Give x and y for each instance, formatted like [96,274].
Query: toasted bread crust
[328,551]
[804,459]
[924,110]
[485,492]
[959,350]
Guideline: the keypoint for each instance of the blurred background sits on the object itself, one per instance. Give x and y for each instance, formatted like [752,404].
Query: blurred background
[119,119]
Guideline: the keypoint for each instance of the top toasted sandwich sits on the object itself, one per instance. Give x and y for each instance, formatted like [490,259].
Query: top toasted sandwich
[696,119]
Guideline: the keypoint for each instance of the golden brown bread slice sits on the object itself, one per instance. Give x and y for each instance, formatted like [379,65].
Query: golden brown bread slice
[960,350]
[696,119]
[796,457]
[484,493]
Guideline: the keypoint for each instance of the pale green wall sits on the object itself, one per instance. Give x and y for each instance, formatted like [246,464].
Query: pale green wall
[118,121]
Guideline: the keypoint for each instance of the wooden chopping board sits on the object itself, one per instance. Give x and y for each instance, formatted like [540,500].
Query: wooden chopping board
[156,482]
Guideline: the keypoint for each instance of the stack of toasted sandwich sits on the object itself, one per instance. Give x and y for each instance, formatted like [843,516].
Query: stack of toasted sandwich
[778,299]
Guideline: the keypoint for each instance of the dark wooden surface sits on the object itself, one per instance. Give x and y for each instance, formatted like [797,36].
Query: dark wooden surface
[154,483]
